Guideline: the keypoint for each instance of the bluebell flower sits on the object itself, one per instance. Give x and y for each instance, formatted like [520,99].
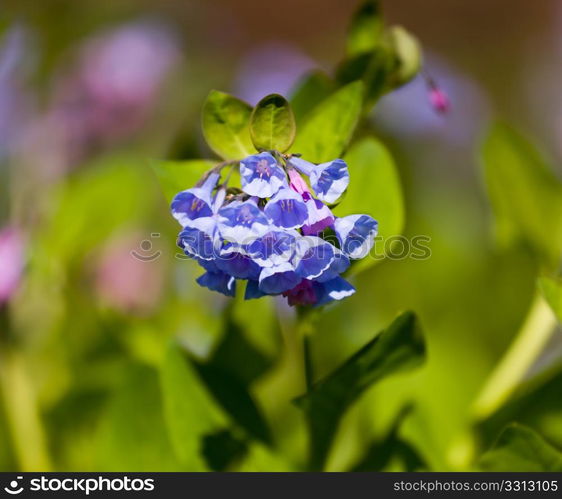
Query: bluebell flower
[356,234]
[278,278]
[253,291]
[218,281]
[196,202]
[286,209]
[272,233]
[242,221]
[320,217]
[314,257]
[328,180]
[261,175]
[333,290]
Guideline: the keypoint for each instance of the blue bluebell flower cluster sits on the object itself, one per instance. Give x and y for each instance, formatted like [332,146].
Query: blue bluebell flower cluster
[277,232]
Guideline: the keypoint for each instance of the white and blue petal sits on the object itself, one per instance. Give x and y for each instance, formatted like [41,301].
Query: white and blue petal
[277,279]
[194,203]
[333,290]
[339,265]
[314,257]
[261,176]
[356,234]
[274,248]
[241,222]
[330,180]
[233,262]
[319,217]
[286,209]
[199,243]
[253,290]
[303,166]
[218,281]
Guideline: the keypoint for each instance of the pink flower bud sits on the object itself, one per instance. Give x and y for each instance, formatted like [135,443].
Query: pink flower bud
[11,262]
[297,183]
[439,100]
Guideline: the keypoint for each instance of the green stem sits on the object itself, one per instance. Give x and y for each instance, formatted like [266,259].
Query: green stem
[20,404]
[527,346]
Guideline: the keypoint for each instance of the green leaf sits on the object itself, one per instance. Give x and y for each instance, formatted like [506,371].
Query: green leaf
[372,68]
[309,92]
[328,129]
[520,448]
[132,433]
[260,458]
[272,124]
[407,51]
[176,176]
[225,123]
[232,394]
[526,197]
[366,29]
[552,291]
[398,348]
[189,410]
[375,190]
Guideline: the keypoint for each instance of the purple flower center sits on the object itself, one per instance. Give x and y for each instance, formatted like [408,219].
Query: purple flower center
[263,168]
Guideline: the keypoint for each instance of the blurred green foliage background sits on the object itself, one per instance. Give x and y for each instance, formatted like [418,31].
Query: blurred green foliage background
[92,92]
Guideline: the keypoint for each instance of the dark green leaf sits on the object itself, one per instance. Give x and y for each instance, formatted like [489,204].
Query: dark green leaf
[221,448]
[374,190]
[366,29]
[328,129]
[520,448]
[372,68]
[552,291]
[237,355]
[232,394]
[392,447]
[225,123]
[398,348]
[176,176]
[309,92]
[525,195]
[272,124]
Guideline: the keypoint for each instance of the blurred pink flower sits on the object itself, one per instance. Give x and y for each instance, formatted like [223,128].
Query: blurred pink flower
[113,87]
[11,262]
[271,68]
[125,282]
[439,99]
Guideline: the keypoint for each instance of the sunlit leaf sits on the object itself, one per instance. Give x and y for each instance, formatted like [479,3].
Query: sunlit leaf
[525,195]
[225,123]
[398,348]
[552,291]
[408,52]
[176,176]
[132,435]
[260,458]
[520,448]
[309,92]
[272,124]
[329,127]
[375,190]
[366,28]
[190,411]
